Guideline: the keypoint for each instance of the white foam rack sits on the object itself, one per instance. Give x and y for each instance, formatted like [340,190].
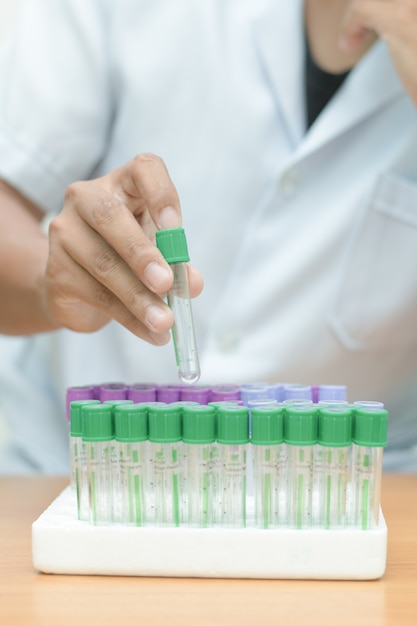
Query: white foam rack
[61,544]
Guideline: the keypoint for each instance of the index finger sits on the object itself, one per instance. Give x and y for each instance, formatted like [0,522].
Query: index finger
[144,184]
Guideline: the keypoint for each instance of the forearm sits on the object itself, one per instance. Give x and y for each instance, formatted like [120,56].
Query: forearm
[23,258]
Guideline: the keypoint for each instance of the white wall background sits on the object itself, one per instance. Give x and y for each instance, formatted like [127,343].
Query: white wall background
[8,9]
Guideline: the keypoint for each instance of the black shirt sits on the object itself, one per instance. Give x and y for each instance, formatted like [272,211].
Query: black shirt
[320,86]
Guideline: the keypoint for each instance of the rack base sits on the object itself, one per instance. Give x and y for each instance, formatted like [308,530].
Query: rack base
[63,545]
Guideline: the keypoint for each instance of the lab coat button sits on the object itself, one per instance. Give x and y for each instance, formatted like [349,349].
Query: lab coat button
[227,340]
[289,183]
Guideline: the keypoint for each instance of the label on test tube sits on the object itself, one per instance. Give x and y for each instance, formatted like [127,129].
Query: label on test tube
[199,443]
[98,437]
[167,455]
[269,465]
[301,437]
[370,428]
[333,475]
[173,245]
[78,459]
[131,433]
[233,436]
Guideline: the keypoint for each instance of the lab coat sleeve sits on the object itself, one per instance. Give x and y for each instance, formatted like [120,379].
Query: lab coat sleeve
[55,100]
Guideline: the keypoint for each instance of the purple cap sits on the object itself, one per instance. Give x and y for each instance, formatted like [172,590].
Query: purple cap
[168,393]
[79,393]
[315,393]
[251,391]
[332,392]
[113,391]
[141,392]
[277,391]
[195,394]
[224,393]
[292,392]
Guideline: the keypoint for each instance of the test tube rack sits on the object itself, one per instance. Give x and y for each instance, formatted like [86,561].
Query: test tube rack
[62,544]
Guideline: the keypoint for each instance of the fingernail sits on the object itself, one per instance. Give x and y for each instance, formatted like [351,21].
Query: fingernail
[158,277]
[156,316]
[169,218]
[159,339]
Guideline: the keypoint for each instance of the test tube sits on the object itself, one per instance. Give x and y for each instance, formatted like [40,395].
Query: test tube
[131,432]
[199,443]
[334,444]
[115,462]
[369,439]
[268,465]
[233,436]
[98,438]
[173,245]
[300,437]
[78,460]
[166,454]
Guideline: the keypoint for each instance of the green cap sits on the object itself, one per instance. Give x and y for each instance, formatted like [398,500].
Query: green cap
[131,422]
[173,245]
[301,425]
[97,422]
[267,425]
[198,423]
[76,425]
[232,424]
[335,427]
[370,427]
[164,423]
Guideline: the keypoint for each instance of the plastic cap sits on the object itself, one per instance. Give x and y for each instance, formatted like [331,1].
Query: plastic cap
[267,425]
[112,391]
[232,424]
[335,427]
[198,424]
[301,425]
[370,427]
[295,391]
[76,425]
[131,422]
[173,245]
[97,422]
[195,394]
[221,393]
[141,393]
[332,392]
[164,423]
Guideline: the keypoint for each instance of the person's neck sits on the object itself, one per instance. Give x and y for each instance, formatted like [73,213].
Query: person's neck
[323,24]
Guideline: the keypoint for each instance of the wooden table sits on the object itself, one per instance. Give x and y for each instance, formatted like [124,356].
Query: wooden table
[30,598]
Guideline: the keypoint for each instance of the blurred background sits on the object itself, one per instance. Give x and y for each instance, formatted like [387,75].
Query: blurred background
[8,10]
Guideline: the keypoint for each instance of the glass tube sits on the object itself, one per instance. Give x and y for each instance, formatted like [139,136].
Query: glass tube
[333,482]
[233,485]
[133,457]
[99,481]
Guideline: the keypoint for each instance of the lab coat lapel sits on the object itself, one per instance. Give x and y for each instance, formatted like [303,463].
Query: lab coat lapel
[370,86]
[279,40]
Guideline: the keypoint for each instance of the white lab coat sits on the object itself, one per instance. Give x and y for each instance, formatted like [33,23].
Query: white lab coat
[307,241]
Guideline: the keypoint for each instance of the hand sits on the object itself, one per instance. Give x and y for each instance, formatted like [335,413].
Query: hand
[394,21]
[103,263]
